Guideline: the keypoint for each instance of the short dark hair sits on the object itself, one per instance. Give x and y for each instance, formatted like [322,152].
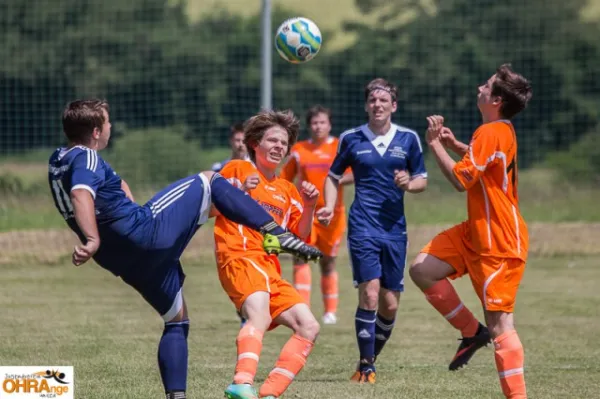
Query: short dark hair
[81,117]
[237,127]
[381,84]
[316,110]
[514,90]
[256,126]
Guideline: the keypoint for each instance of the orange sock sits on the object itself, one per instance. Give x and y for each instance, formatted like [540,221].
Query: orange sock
[509,362]
[303,281]
[291,360]
[444,298]
[249,345]
[329,288]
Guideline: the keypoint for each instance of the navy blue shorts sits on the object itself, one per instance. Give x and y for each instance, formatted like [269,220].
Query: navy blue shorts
[378,258]
[177,212]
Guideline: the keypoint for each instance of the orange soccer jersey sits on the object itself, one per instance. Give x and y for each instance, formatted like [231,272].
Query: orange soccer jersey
[243,266]
[279,197]
[489,174]
[491,246]
[311,162]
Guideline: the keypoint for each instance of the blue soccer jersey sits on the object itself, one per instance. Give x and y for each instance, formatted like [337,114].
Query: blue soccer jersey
[132,236]
[378,206]
[140,243]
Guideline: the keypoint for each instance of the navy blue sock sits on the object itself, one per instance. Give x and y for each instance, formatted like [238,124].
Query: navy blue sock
[383,331]
[240,208]
[364,321]
[173,357]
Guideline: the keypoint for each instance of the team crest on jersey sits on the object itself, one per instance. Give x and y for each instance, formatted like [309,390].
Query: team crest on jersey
[397,152]
[280,197]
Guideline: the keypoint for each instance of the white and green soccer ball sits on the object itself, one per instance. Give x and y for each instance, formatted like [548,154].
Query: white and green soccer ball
[298,40]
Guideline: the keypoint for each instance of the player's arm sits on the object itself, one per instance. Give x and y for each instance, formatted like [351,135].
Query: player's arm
[309,195]
[450,142]
[417,185]
[336,173]
[86,177]
[347,178]
[127,190]
[85,216]
[445,163]
[414,179]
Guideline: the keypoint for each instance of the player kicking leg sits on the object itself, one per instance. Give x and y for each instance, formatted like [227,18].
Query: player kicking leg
[143,244]
[491,246]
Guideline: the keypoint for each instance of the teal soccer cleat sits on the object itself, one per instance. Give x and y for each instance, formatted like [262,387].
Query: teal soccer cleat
[240,391]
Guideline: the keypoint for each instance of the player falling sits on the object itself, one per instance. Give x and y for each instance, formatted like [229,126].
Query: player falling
[387,161]
[491,246]
[142,244]
[310,161]
[252,279]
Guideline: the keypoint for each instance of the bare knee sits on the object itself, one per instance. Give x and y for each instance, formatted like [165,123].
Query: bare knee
[309,328]
[499,322]
[369,295]
[426,270]
[389,303]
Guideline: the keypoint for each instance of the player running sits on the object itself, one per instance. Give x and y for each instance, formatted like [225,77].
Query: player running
[491,246]
[236,143]
[387,161]
[252,279]
[143,244]
[310,161]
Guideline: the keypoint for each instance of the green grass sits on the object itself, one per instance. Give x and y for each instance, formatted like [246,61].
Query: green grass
[54,316]
[543,197]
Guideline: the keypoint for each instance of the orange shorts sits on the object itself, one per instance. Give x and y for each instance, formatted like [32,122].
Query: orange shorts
[495,279]
[242,277]
[328,238]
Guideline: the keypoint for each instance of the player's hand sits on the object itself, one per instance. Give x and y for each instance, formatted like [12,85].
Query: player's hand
[324,215]
[83,253]
[309,193]
[251,182]
[447,137]
[434,130]
[401,179]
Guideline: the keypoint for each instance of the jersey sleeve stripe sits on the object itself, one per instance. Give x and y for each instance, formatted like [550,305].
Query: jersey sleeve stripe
[420,175]
[92,160]
[336,177]
[84,187]
[297,205]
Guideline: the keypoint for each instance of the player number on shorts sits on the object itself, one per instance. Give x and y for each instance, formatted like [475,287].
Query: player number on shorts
[62,199]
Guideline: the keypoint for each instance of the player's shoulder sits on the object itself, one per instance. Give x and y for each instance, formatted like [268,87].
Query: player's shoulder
[79,157]
[500,130]
[410,133]
[238,165]
[351,134]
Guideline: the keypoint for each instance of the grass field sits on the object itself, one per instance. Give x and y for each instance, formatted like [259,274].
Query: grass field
[60,315]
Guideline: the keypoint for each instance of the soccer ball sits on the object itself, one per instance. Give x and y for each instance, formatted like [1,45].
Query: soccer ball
[298,40]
